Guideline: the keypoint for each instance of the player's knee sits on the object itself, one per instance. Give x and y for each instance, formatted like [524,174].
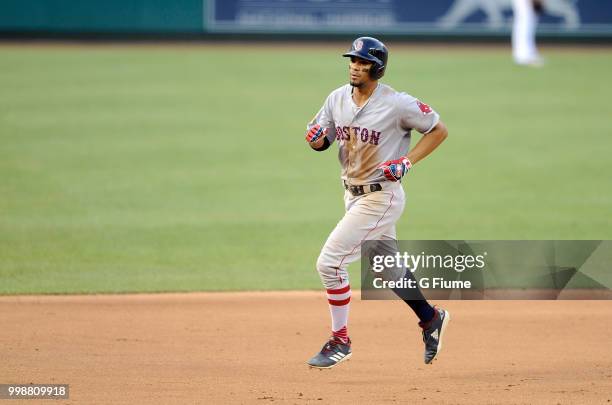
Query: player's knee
[323,266]
[331,275]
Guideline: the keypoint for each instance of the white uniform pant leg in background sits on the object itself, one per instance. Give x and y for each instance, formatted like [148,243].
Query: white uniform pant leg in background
[368,217]
[524,49]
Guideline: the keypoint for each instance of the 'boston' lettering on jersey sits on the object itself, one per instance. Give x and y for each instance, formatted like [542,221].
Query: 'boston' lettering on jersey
[363,134]
[383,126]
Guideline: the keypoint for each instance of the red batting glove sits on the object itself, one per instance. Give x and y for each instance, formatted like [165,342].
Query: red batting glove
[315,133]
[394,170]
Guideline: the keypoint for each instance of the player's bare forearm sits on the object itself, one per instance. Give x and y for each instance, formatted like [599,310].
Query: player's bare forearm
[428,143]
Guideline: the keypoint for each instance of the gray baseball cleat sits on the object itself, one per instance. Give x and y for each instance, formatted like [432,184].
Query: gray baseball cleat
[433,332]
[334,351]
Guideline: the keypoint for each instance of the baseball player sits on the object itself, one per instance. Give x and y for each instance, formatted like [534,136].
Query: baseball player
[524,50]
[372,125]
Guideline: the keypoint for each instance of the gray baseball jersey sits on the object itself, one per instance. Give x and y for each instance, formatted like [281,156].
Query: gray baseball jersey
[374,133]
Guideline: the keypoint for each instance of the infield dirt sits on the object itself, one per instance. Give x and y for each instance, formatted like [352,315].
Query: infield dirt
[252,347]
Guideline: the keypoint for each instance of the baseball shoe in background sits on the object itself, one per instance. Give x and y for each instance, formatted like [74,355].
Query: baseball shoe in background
[433,332]
[334,351]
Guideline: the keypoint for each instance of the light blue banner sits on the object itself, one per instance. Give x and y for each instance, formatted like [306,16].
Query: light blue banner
[444,17]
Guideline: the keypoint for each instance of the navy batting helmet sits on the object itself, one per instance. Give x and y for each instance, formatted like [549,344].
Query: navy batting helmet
[373,50]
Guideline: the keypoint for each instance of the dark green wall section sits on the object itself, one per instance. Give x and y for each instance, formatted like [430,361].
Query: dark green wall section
[102,16]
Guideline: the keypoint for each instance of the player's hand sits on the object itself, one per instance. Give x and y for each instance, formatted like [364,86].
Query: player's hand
[394,170]
[315,136]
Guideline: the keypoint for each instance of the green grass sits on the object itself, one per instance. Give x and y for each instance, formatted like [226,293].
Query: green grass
[160,169]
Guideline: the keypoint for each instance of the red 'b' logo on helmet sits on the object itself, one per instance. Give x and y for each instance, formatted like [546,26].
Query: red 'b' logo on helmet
[358,45]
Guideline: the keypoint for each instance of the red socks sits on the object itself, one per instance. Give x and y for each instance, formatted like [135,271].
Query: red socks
[339,301]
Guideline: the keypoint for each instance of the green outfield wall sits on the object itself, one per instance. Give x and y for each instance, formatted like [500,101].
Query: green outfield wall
[119,16]
[445,19]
